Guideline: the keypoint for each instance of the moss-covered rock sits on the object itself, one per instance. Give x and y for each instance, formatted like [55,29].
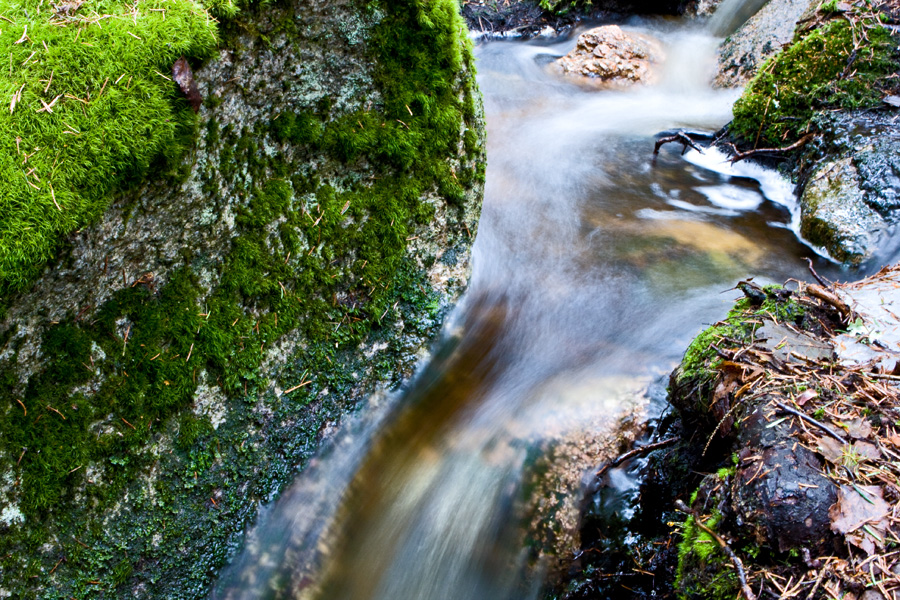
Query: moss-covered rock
[758,39]
[824,68]
[91,107]
[183,356]
[821,93]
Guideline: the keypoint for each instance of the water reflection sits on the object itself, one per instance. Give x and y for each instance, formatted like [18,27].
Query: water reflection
[595,264]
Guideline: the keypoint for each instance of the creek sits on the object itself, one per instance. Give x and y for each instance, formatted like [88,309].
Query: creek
[594,265]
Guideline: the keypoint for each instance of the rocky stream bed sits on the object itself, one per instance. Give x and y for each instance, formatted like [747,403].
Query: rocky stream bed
[193,336]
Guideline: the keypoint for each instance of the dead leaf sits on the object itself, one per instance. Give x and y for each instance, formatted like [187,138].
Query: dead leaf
[858,428]
[831,449]
[860,515]
[866,450]
[184,77]
[893,101]
[806,396]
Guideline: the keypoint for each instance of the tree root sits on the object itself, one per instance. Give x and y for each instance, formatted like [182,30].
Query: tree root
[682,137]
[829,297]
[634,453]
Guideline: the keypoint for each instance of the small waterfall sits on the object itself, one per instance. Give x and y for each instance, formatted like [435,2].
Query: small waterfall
[594,265]
[731,14]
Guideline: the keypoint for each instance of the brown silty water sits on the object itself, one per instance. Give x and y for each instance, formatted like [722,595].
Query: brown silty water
[594,266]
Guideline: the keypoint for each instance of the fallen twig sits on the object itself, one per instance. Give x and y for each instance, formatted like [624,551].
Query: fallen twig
[682,137]
[634,453]
[811,421]
[749,153]
[738,565]
[816,275]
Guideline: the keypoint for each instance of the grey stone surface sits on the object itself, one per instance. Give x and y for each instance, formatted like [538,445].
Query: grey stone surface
[835,215]
[760,37]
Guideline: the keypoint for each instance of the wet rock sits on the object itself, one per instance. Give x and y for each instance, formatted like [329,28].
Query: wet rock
[834,214]
[559,477]
[701,8]
[778,493]
[760,37]
[609,56]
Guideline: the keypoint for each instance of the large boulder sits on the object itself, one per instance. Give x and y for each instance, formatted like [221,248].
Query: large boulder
[192,348]
[608,56]
[757,39]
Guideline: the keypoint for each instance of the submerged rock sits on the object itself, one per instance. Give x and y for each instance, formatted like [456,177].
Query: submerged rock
[608,56]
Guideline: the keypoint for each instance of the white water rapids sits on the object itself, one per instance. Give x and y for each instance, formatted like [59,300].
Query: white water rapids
[594,265]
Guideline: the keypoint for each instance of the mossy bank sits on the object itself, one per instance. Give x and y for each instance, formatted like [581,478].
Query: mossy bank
[822,97]
[186,350]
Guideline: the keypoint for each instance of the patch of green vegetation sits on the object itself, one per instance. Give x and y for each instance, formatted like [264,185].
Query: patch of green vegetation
[701,359]
[704,570]
[561,7]
[331,264]
[89,107]
[821,70]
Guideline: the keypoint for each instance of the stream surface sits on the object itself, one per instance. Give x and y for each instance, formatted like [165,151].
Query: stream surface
[594,265]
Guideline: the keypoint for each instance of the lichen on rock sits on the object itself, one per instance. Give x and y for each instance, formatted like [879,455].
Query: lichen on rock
[758,39]
[834,213]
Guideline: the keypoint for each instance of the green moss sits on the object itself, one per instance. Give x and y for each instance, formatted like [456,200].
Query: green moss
[112,113]
[820,71]
[704,571]
[701,359]
[328,262]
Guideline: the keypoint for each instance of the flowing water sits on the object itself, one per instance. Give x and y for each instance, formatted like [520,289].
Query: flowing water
[594,265]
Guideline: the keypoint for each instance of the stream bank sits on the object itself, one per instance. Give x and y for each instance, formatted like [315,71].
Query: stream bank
[782,434]
[785,420]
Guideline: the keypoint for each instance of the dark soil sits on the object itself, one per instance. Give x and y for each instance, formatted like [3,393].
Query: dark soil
[526,17]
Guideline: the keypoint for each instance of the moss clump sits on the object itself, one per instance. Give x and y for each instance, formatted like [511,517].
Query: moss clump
[701,359]
[88,107]
[820,71]
[704,570]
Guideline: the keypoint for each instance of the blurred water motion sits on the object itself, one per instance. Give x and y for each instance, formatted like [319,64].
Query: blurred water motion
[595,264]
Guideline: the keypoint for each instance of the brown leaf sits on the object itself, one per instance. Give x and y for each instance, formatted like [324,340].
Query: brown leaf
[831,449]
[866,450]
[806,396]
[184,77]
[859,428]
[859,512]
